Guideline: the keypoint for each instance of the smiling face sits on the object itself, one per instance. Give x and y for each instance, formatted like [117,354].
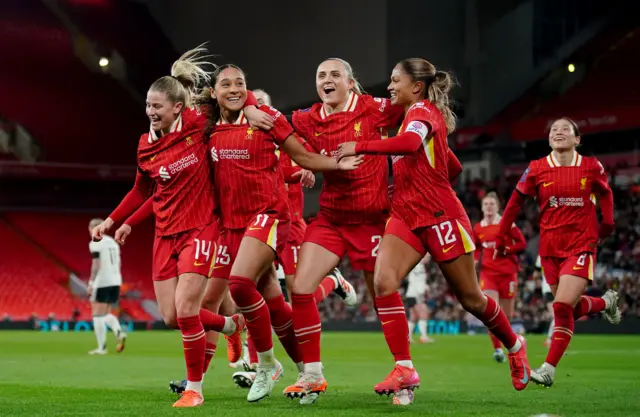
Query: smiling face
[402,88]
[562,136]
[161,111]
[333,83]
[230,89]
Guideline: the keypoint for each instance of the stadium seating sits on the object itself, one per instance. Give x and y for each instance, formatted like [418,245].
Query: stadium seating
[65,236]
[31,282]
[45,79]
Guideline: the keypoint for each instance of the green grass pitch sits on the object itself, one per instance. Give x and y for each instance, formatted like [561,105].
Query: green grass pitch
[44,374]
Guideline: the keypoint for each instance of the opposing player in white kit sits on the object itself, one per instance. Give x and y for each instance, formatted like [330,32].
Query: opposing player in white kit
[104,290]
[548,298]
[415,298]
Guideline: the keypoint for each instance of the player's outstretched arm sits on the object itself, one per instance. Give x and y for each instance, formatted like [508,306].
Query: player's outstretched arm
[316,162]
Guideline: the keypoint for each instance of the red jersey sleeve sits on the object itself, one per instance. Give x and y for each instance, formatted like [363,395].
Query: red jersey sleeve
[281,128]
[603,190]
[141,190]
[251,100]
[385,114]
[518,243]
[454,168]
[527,183]
[143,212]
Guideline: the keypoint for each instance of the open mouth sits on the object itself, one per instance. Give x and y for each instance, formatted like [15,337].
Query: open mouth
[233,99]
[328,89]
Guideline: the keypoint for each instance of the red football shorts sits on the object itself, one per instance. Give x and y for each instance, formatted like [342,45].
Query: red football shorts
[263,227]
[292,247]
[360,242]
[444,241]
[189,251]
[504,284]
[581,265]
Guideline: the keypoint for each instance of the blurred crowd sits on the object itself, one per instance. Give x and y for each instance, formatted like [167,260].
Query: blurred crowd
[617,265]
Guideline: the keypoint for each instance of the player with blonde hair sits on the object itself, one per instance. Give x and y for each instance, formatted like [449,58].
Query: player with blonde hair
[173,166]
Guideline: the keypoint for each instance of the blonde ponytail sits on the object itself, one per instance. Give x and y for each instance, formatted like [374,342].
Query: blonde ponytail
[188,74]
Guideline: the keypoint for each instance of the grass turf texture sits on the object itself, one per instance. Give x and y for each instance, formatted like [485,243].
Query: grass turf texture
[51,374]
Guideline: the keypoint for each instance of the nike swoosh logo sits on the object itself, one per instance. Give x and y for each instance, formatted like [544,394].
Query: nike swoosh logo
[255,228]
[387,322]
[445,250]
[254,319]
[219,266]
[303,342]
[546,184]
[525,378]
[316,134]
[152,158]
[196,263]
[577,268]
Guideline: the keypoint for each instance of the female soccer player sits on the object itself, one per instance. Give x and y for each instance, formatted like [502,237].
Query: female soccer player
[427,217]
[254,211]
[353,205]
[173,166]
[499,276]
[565,185]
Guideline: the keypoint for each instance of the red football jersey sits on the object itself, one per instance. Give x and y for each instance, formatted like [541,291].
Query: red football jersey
[358,196]
[178,164]
[567,202]
[247,176]
[423,195]
[485,237]
[296,196]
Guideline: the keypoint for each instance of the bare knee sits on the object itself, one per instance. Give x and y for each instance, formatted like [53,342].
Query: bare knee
[170,320]
[303,286]
[187,304]
[474,302]
[386,281]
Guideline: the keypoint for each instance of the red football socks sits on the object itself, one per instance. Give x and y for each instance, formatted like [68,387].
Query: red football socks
[498,323]
[253,353]
[254,309]
[326,286]
[307,326]
[211,321]
[588,305]
[282,322]
[394,325]
[194,344]
[562,332]
[495,341]
[210,350]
